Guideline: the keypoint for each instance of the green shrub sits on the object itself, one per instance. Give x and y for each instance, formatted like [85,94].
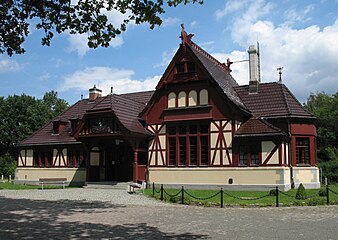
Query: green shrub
[7,165]
[301,194]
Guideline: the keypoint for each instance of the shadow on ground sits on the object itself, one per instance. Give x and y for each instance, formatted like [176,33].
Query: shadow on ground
[39,219]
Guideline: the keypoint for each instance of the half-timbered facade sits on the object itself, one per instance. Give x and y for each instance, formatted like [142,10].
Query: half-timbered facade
[198,128]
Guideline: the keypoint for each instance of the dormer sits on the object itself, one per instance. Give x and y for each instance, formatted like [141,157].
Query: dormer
[74,123]
[58,125]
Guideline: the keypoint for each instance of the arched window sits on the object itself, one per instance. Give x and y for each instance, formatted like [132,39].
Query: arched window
[192,98]
[182,99]
[204,99]
[171,100]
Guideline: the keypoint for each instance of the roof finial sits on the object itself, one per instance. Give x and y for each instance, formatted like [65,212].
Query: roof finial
[184,36]
[279,69]
[111,89]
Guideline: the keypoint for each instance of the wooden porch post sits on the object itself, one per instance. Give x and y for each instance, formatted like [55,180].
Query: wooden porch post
[135,166]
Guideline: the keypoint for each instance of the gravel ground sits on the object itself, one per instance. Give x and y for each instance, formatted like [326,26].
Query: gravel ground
[80,194]
[115,214]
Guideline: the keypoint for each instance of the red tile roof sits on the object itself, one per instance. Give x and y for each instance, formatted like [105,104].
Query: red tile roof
[45,135]
[126,111]
[272,100]
[218,72]
[258,127]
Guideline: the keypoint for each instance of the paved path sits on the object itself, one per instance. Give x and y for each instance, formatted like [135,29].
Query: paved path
[77,214]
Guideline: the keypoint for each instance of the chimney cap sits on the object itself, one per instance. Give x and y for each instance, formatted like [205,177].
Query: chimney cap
[94,89]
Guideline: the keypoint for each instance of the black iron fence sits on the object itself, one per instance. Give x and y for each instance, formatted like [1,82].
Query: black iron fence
[276,193]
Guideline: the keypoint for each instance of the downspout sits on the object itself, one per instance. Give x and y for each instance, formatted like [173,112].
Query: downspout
[289,155]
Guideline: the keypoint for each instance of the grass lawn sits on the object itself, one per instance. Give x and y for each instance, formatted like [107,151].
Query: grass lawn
[12,186]
[245,198]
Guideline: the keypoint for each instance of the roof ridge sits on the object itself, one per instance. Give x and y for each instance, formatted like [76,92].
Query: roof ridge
[285,100]
[210,57]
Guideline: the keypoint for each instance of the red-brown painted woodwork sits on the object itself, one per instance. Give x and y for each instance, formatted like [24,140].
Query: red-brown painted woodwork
[312,150]
[187,113]
[141,172]
[303,129]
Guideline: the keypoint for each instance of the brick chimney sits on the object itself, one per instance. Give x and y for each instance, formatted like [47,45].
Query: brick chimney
[94,93]
[254,69]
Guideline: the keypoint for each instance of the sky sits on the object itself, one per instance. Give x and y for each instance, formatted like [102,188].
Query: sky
[299,35]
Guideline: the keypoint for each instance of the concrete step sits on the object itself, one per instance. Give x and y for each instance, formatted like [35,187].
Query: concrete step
[108,185]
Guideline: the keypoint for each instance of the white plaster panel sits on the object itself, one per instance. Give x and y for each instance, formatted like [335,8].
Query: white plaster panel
[267,148]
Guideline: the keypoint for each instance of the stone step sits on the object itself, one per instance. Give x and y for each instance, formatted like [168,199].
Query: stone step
[108,185]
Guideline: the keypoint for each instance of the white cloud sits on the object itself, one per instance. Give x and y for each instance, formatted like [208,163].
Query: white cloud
[193,25]
[167,22]
[44,77]
[239,68]
[294,15]
[104,78]
[7,65]
[167,56]
[230,6]
[79,43]
[308,55]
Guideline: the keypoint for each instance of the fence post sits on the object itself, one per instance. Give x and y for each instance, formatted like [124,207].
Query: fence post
[153,189]
[327,192]
[277,193]
[161,192]
[182,200]
[221,197]
[10,178]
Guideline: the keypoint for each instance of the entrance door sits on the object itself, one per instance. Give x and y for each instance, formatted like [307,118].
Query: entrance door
[110,165]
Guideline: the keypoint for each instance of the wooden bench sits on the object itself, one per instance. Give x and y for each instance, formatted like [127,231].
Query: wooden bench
[47,181]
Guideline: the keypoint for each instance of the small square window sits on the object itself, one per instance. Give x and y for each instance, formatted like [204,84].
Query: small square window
[180,68]
[191,67]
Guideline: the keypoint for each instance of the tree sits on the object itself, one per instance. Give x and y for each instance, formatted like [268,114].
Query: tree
[325,108]
[82,16]
[20,116]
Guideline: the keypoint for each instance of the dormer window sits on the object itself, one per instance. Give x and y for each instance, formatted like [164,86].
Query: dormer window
[74,122]
[185,67]
[191,67]
[56,125]
[180,68]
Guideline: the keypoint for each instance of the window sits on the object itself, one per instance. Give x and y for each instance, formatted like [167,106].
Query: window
[182,99]
[191,67]
[188,145]
[76,158]
[249,155]
[103,125]
[180,68]
[171,100]
[302,151]
[42,158]
[204,97]
[192,98]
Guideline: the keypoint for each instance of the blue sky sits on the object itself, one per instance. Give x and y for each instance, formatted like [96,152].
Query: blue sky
[301,36]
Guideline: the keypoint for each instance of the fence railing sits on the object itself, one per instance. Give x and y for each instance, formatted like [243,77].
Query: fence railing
[182,192]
